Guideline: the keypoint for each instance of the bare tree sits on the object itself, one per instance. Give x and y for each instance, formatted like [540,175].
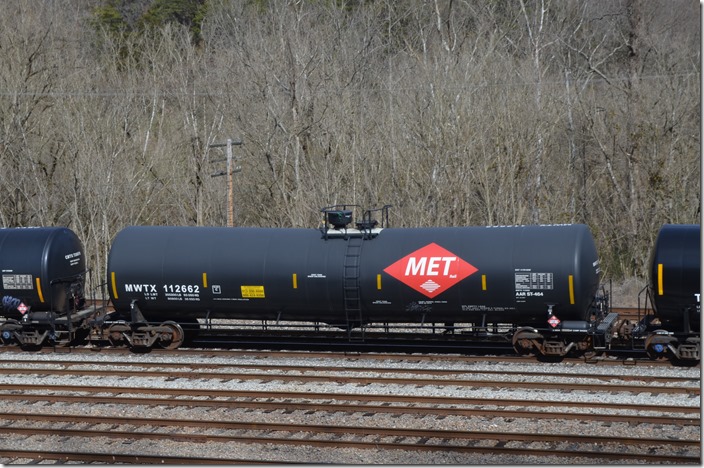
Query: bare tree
[454,112]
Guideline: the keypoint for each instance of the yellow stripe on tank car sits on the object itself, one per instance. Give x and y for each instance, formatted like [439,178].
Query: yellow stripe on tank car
[661,289]
[39,289]
[378,282]
[205,280]
[483,282]
[114,284]
[295,281]
[571,281]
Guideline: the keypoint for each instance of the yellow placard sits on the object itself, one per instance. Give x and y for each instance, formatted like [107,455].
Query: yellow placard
[253,292]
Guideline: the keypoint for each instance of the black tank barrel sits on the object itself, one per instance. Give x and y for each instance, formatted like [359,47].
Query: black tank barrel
[512,274]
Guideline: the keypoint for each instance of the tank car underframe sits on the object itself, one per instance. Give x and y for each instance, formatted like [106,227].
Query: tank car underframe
[674,341]
[664,343]
[574,336]
[168,335]
[138,333]
[35,329]
[589,340]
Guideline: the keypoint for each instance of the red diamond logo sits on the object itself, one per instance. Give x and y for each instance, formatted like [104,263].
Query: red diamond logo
[430,270]
[553,321]
[22,308]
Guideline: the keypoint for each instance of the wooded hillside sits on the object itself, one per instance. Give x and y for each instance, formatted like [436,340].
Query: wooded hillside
[454,112]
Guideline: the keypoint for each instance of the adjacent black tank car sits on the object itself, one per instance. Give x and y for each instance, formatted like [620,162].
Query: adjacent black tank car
[36,266]
[674,289]
[675,275]
[43,279]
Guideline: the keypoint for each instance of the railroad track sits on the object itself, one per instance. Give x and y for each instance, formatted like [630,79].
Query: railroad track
[287,373]
[37,456]
[293,409]
[411,361]
[336,436]
[374,403]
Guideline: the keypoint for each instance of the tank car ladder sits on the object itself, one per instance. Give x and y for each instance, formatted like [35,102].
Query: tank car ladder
[351,293]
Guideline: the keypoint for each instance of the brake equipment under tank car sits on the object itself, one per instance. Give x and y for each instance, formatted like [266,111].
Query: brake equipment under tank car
[674,290]
[43,279]
[533,286]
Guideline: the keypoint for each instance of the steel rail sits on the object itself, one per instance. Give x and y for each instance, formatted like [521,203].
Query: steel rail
[268,377]
[286,404]
[424,436]
[110,458]
[337,369]
[367,355]
[365,397]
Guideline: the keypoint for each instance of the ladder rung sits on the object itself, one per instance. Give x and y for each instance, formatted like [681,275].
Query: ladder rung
[350,284]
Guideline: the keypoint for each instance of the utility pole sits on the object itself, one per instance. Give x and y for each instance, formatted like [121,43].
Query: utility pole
[230,170]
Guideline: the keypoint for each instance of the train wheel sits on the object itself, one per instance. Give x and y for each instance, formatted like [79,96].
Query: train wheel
[656,344]
[173,338]
[655,353]
[7,329]
[525,339]
[115,333]
[585,349]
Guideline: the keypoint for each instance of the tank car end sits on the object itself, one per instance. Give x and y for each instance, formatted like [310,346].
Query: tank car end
[42,288]
[674,290]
